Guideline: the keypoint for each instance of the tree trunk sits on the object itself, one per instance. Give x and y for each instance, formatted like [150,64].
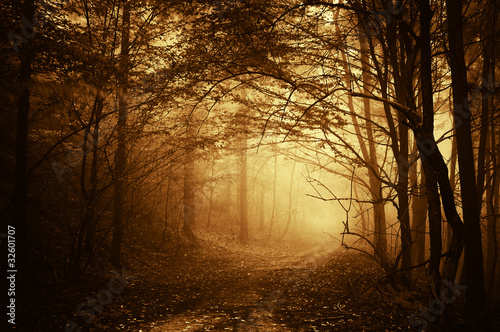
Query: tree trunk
[166,214]
[419,204]
[380,240]
[271,222]
[453,173]
[434,206]
[121,153]
[364,229]
[419,211]
[212,187]
[488,72]
[243,236]
[492,194]
[261,207]
[475,294]
[290,195]
[493,203]
[91,199]
[85,235]
[404,94]
[492,190]
[23,108]
[188,206]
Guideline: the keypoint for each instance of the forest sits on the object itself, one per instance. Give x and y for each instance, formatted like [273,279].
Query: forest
[250,165]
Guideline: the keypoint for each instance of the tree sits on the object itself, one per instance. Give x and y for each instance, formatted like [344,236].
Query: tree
[188,205]
[243,181]
[121,150]
[290,195]
[375,184]
[27,53]
[475,301]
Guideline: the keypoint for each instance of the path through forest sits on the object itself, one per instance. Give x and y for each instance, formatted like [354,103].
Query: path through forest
[255,289]
[231,288]
[249,293]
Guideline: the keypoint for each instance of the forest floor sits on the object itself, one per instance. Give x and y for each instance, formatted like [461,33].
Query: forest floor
[241,288]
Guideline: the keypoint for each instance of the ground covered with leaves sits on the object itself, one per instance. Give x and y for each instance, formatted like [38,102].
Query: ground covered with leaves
[229,288]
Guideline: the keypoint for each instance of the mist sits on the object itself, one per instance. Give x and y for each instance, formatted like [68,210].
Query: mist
[250,165]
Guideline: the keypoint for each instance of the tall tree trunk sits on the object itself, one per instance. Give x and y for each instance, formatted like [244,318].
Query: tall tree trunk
[492,207]
[488,53]
[435,169]
[121,153]
[357,129]
[23,108]
[290,196]
[403,200]
[434,206]
[166,213]
[493,201]
[404,89]
[189,183]
[271,222]
[492,190]
[364,230]
[380,240]
[85,235]
[261,207]
[91,198]
[493,235]
[402,185]
[369,155]
[419,203]
[453,173]
[243,236]
[212,187]
[419,211]
[475,294]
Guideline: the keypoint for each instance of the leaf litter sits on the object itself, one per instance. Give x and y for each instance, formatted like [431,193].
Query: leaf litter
[250,288]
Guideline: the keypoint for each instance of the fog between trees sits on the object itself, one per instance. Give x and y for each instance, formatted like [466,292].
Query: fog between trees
[174,132]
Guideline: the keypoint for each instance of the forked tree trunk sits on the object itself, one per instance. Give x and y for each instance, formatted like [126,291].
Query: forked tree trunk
[404,96]
[374,183]
[85,236]
[435,168]
[380,237]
